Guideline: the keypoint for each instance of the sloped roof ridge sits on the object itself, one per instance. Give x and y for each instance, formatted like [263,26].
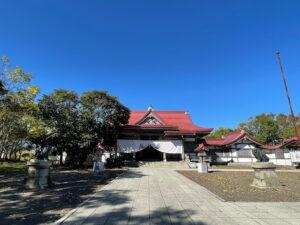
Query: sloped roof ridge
[214,139]
[271,146]
[180,119]
[161,111]
[232,137]
[291,139]
[155,114]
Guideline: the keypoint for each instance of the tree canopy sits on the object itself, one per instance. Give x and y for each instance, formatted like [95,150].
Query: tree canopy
[268,128]
[220,132]
[76,125]
[63,119]
[17,107]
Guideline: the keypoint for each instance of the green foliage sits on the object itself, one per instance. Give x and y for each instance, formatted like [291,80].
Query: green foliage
[17,105]
[269,128]
[12,167]
[220,132]
[76,124]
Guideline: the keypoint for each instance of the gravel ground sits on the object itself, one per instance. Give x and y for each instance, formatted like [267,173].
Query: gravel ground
[19,205]
[235,186]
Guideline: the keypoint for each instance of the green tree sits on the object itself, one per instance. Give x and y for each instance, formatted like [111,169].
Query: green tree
[77,125]
[219,132]
[16,106]
[59,112]
[263,127]
[105,112]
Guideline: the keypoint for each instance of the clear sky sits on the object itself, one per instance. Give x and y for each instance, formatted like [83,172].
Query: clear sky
[215,59]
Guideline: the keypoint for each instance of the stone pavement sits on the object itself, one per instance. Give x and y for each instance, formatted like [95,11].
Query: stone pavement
[162,196]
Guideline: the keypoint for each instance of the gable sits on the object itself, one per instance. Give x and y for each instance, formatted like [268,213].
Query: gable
[150,119]
[176,119]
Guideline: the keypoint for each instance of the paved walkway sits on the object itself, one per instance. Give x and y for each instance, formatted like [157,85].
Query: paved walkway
[162,196]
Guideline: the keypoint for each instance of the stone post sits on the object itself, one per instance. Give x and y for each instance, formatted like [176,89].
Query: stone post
[202,167]
[38,173]
[264,175]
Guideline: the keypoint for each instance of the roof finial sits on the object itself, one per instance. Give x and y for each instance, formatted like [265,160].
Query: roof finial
[150,107]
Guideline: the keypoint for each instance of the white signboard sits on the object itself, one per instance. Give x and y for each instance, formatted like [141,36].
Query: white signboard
[295,156]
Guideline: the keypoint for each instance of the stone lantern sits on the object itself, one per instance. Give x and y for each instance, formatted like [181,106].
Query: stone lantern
[264,172]
[38,169]
[202,164]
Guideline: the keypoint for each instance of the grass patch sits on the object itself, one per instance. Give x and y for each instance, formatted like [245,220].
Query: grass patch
[12,167]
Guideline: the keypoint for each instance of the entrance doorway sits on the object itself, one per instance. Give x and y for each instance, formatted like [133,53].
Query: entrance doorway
[149,154]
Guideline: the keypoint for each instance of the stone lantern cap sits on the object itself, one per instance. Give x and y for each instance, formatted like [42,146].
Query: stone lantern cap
[263,165]
[201,147]
[39,164]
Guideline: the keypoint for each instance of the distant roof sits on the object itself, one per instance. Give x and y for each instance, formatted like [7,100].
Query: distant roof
[270,147]
[291,139]
[285,143]
[231,138]
[178,122]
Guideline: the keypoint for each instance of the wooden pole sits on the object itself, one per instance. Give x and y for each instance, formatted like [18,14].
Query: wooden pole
[288,96]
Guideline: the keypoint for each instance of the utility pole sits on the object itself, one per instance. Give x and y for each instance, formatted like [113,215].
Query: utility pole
[288,96]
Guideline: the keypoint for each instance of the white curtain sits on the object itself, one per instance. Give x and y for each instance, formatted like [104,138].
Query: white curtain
[167,146]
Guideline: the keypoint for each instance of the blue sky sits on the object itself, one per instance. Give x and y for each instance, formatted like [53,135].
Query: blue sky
[215,59]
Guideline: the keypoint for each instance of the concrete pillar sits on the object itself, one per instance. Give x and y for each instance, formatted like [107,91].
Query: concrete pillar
[182,156]
[165,157]
[134,156]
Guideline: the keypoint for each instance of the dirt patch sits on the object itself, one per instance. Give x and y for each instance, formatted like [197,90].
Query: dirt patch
[19,205]
[235,186]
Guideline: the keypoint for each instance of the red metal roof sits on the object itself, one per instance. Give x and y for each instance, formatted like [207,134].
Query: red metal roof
[179,120]
[214,141]
[231,138]
[200,147]
[291,139]
[285,142]
[270,147]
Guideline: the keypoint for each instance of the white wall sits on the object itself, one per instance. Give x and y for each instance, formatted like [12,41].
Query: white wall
[234,155]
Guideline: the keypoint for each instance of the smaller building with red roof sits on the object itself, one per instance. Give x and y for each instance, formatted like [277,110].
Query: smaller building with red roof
[237,146]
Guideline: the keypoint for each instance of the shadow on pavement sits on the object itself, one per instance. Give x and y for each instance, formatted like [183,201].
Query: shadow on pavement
[19,205]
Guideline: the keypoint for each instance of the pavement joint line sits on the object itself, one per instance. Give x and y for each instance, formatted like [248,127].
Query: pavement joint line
[165,205]
[130,212]
[192,221]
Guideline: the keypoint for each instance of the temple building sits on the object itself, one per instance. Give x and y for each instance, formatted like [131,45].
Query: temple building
[160,135]
[171,135]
